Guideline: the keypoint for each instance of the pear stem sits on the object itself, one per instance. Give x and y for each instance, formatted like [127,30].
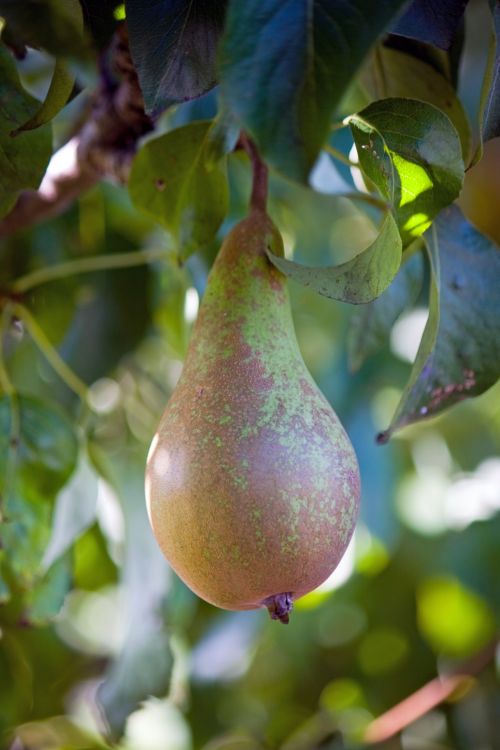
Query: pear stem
[279,607]
[258,199]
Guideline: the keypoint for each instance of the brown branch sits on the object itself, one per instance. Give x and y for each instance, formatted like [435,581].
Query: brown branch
[428,697]
[102,149]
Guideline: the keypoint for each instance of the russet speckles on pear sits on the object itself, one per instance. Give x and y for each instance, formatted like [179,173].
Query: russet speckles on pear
[252,483]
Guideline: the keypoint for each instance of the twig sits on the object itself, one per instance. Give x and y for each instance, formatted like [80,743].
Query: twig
[52,356]
[103,148]
[85,265]
[428,697]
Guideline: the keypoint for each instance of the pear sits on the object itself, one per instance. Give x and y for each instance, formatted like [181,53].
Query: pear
[252,484]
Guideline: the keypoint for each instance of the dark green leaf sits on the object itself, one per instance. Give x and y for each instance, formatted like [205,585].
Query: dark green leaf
[23,159]
[37,444]
[371,324]
[491,116]
[143,667]
[410,150]
[173,182]
[54,25]
[173,45]
[284,67]
[459,355]
[38,451]
[357,281]
[391,73]
[431,22]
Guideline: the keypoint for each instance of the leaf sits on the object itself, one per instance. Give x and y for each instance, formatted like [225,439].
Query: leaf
[173,45]
[398,74]
[431,22]
[54,25]
[491,114]
[371,324]
[47,596]
[410,150]
[284,67]
[357,281]
[23,159]
[58,94]
[459,355]
[38,451]
[74,512]
[173,181]
[143,667]
[38,444]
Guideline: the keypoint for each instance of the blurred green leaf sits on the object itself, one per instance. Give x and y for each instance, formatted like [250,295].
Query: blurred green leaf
[180,65]
[294,61]
[459,355]
[455,620]
[74,511]
[54,25]
[60,88]
[411,152]
[359,280]
[391,73]
[38,452]
[173,183]
[46,598]
[143,667]
[38,447]
[370,325]
[23,159]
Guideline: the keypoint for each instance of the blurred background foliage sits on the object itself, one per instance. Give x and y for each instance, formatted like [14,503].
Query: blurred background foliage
[416,593]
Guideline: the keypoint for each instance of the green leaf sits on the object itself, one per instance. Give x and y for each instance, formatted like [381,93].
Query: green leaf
[357,281]
[174,182]
[284,67]
[57,96]
[22,159]
[180,65]
[143,667]
[38,451]
[54,25]
[46,598]
[74,512]
[459,355]
[371,324]
[391,73]
[410,150]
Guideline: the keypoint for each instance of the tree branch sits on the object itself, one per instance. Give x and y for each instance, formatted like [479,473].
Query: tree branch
[103,148]
[428,697]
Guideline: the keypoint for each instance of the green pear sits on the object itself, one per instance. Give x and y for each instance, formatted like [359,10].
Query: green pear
[252,484]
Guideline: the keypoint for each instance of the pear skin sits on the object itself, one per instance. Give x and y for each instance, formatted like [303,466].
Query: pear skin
[252,484]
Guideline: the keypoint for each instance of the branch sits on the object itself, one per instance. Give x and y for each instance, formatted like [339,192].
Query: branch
[428,697]
[103,148]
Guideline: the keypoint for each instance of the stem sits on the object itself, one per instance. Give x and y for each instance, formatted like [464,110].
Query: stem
[58,364]
[15,426]
[5,381]
[258,199]
[379,203]
[341,157]
[85,265]
[428,697]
